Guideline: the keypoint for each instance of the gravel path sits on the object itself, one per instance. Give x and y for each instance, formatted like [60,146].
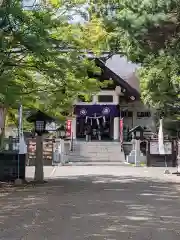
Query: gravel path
[94,207]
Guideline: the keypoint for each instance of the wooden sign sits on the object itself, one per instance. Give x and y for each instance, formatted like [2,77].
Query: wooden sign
[47,149]
[154,147]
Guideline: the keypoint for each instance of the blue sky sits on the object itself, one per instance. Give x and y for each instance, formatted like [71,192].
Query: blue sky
[76,17]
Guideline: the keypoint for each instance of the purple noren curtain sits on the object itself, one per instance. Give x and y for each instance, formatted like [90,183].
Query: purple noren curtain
[96,109]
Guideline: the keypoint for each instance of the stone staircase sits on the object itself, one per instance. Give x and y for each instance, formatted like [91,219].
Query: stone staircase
[96,152]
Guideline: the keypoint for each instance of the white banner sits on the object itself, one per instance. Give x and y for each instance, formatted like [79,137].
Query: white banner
[161,138]
[22,144]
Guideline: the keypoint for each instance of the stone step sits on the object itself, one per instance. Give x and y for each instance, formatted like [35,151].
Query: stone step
[88,158]
[96,164]
[97,142]
[96,157]
[99,145]
[93,160]
[94,153]
[97,150]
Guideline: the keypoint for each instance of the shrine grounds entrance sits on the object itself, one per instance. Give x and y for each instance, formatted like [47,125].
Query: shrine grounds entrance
[95,126]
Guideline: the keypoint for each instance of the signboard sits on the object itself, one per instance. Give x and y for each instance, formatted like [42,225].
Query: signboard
[47,149]
[68,128]
[154,147]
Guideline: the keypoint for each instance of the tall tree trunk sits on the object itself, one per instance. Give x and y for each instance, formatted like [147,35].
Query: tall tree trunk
[2,135]
[3,116]
[39,172]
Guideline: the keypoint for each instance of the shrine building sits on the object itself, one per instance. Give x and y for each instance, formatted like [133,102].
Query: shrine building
[118,100]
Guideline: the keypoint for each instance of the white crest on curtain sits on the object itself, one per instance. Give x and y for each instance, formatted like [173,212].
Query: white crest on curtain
[161,138]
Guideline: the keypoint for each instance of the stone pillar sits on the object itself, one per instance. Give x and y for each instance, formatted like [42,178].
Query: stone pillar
[116,129]
[95,99]
[73,127]
[137,153]
[39,173]
[116,99]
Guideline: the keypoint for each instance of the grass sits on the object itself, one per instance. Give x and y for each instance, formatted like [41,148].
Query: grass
[141,164]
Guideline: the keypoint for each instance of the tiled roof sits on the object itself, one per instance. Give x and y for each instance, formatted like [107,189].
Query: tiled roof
[131,90]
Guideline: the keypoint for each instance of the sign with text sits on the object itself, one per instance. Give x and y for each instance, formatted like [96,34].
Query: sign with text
[154,147]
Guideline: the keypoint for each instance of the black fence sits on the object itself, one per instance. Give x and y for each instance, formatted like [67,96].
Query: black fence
[12,166]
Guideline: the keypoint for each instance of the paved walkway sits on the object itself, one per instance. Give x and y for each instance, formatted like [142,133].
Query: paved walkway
[94,203]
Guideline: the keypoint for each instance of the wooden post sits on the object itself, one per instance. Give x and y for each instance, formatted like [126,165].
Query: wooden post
[39,173]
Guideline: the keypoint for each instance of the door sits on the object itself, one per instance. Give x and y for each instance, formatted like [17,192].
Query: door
[105,125]
[80,127]
[107,128]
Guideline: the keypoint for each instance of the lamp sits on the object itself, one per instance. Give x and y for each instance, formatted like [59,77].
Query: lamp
[137,132]
[40,126]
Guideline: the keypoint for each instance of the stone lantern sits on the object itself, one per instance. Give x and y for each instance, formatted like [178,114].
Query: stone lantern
[39,119]
[136,156]
[137,133]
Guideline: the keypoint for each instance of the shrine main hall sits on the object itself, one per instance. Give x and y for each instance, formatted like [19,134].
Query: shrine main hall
[118,100]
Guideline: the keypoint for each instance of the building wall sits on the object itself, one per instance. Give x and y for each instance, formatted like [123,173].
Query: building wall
[138,107]
[95,98]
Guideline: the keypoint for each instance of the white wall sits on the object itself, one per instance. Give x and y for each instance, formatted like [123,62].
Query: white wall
[135,107]
[95,98]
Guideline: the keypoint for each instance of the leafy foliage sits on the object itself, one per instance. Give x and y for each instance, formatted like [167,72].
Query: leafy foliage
[41,58]
[147,32]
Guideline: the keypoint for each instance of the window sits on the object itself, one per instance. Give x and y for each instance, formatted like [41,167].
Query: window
[105,98]
[143,114]
[126,114]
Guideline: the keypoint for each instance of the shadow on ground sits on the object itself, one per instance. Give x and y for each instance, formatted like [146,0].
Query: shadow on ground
[92,207]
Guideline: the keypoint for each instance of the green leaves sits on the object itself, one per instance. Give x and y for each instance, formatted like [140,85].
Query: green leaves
[148,32]
[37,69]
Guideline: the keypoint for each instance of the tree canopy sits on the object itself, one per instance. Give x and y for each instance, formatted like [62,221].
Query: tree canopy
[43,55]
[147,32]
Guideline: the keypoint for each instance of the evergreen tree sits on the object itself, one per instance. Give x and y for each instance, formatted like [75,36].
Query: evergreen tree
[147,32]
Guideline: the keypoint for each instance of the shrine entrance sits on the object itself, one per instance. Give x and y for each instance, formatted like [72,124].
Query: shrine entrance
[95,126]
[96,121]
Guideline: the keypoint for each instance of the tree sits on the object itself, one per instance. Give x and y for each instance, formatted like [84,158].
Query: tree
[41,56]
[35,69]
[147,32]
[32,60]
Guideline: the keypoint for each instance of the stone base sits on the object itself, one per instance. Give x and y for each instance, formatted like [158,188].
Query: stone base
[18,182]
[141,159]
[167,171]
